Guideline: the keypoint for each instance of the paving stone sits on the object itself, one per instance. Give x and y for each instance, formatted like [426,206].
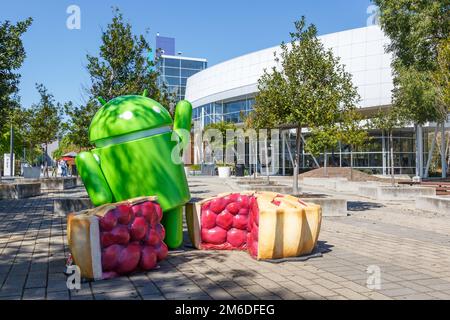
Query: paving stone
[410,247]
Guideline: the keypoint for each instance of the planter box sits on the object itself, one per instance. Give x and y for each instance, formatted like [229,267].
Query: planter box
[395,193]
[19,190]
[57,183]
[331,207]
[31,172]
[224,172]
[69,205]
[434,204]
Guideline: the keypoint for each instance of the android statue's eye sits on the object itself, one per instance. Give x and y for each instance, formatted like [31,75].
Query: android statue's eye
[127,115]
[156,109]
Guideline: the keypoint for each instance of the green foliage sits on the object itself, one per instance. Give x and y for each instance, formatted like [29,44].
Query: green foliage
[352,130]
[415,27]
[309,87]
[321,139]
[65,146]
[414,95]
[441,76]
[12,55]
[122,67]
[388,120]
[77,125]
[222,126]
[45,120]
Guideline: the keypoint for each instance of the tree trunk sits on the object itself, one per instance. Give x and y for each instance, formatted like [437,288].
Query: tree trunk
[351,163]
[325,160]
[46,161]
[443,153]
[297,161]
[391,142]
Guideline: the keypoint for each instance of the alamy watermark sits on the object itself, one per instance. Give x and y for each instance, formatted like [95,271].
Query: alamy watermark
[73,21]
[374,279]
[231,146]
[73,281]
[374,15]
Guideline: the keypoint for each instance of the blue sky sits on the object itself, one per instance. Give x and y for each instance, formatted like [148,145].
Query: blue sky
[216,30]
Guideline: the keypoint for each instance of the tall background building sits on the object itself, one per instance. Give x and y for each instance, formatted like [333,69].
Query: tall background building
[174,69]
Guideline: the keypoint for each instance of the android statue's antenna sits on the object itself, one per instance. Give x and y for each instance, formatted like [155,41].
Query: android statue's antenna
[145,93]
[102,101]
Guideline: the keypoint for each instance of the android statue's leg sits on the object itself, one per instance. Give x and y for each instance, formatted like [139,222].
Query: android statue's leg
[173,223]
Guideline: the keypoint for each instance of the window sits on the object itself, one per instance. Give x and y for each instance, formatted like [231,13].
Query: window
[172,81]
[174,63]
[187,72]
[172,72]
[190,64]
[234,106]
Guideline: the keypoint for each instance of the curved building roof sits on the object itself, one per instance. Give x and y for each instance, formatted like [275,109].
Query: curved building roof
[361,50]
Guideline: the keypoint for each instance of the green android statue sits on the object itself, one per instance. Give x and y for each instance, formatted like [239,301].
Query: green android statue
[135,140]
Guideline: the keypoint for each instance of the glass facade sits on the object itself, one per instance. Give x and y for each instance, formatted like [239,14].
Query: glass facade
[233,111]
[373,157]
[174,71]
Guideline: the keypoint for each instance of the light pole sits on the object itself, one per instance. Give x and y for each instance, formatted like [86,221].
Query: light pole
[11,148]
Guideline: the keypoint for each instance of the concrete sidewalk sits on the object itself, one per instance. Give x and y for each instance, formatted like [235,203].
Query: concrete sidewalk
[410,249]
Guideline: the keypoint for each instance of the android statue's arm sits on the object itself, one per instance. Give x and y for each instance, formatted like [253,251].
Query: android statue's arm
[96,185]
[182,121]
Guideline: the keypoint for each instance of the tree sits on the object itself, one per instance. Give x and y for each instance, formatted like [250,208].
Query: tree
[12,55]
[416,28]
[122,67]
[353,132]
[45,123]
[308,88]
[321,140]
[441,76]
[388,121]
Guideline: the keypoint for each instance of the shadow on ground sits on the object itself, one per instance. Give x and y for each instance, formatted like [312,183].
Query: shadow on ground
[363,206]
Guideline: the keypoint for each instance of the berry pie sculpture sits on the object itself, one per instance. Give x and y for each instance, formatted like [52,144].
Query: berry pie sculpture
[268,225]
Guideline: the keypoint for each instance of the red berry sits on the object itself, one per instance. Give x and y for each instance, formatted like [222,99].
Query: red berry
[205,206]
[243,211]
[106,239]
[233,207]
[138,228]
[159,212]
[244,201]
[161,251]
[110,257]
[148,258]
[160,231]
[236,237]
[217,205]
[129,258]
[225,220]
[231,198]
[215,235]
[208,219]
[240,222]
[123,213]
[152,238]
[108,221]
[121,235]
[149,213]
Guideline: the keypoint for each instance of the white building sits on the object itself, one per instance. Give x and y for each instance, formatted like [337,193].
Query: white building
[225,91]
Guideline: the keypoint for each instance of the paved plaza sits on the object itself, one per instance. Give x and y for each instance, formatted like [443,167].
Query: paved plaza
[409,249]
